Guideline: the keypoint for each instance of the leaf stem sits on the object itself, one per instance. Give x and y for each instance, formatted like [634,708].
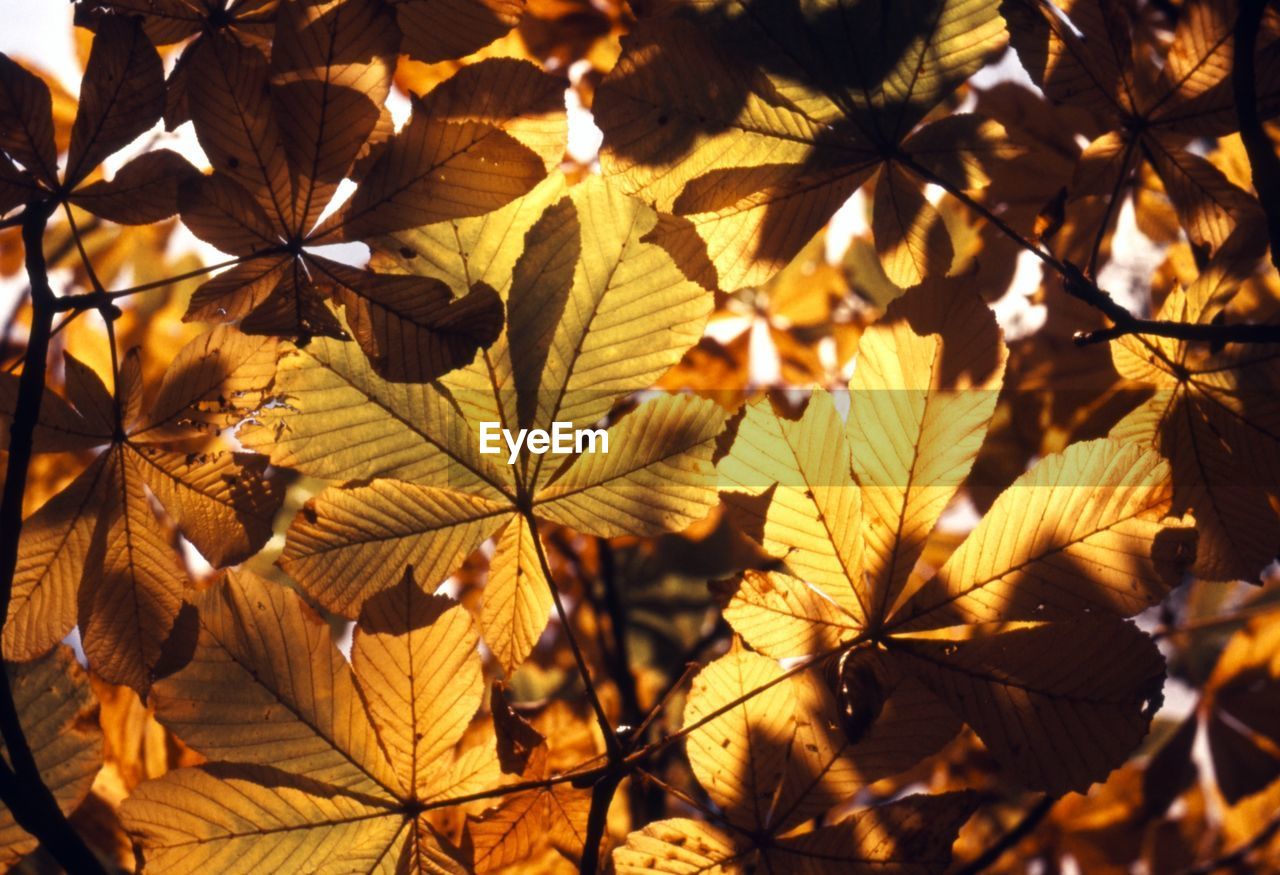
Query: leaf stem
[610,736]
[97,299]
[21,787]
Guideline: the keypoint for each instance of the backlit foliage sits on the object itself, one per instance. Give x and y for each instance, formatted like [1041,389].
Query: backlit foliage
[935,347]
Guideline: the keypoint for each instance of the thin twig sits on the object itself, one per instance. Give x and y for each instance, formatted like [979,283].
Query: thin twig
[619,653]
[702,721]
[1084,289]
[1241,854]
[606,728]
[1200,623]
[95,300]
[1023,828]
[21,786]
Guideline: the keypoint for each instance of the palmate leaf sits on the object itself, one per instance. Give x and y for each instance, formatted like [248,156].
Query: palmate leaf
[740,758]
[752,122]
[568,354]
[317,765]
[96,554]
[1085,530]
[284,131]
[1214,417]
[1084,53]
[121,97]
[55,706]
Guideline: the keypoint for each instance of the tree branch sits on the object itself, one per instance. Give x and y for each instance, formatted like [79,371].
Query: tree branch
[597,819]
[21,787]
[1241,854]
[1084,289]
[1264,164]
[1023,828]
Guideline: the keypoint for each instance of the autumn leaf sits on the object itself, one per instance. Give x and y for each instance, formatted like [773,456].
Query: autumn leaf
[1212,415]
[849,536]
[435,30]
[121,97]
[317,764]
[283,132]
[56,707]
[429,496]
[1242,733]
[752,128]
[97,554]
[1086,53]
[740,754]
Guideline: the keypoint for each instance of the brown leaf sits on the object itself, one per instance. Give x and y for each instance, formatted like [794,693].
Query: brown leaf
[142,192]
[331,65]
[26,121]
[121,96]
[412,328]
[436,30]
[434,171]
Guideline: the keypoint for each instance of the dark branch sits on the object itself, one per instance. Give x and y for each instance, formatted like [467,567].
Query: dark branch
[1264,164]
[21,786]
[1023,828]
[597,820]
[1240,855]
[1084,289]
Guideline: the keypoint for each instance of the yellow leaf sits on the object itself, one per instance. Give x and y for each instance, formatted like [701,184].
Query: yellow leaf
[923,390]
[740,755]
[1084,530]
[911,239]
[752,134]
[657,478]
[567,356]
[802,491]
[320,766]
[517,598]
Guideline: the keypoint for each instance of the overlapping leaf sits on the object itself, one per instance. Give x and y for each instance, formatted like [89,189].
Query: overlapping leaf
[55,706]
[752,759]
[1085,53]
[751,122]
[1214,416]
[317,765]
[96,554]
[1087,530]
[577,279]
[284,132]
[121,97]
